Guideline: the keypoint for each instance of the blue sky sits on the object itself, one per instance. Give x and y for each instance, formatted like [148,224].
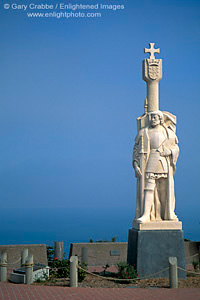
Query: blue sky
[71,90]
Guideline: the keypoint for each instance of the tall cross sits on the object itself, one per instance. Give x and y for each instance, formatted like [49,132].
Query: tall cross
[151,51]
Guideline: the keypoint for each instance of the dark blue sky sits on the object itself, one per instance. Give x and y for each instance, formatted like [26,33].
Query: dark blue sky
[71,90]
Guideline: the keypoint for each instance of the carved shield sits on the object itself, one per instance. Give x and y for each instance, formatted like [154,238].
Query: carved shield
[153,71]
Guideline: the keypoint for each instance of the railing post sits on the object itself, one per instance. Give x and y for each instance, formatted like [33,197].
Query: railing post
[29,269]
[59,252]
[3,267]
[173,278]
[84,257]
[24,255]
[73,271]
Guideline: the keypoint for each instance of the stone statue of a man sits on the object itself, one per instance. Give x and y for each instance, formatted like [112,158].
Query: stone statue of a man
[158,143]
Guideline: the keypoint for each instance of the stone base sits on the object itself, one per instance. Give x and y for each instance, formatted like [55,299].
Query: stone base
[158,225]
[149,251]
[17,278]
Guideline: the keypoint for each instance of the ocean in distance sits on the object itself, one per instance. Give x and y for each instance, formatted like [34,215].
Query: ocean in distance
[46,225]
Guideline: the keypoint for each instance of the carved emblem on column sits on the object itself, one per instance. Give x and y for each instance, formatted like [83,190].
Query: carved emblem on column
[153,69]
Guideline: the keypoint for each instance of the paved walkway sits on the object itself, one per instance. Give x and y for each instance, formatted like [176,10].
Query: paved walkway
[10,291]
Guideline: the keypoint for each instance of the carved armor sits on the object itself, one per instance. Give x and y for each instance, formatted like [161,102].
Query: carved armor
[156,163]
[158,170]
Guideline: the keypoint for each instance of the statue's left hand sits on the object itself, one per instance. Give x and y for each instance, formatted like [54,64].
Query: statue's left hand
[165,152]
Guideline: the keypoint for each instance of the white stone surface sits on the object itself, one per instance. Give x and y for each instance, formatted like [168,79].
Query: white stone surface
[151,50]
[158,225]
[41,274]
[152,74]
[155,153]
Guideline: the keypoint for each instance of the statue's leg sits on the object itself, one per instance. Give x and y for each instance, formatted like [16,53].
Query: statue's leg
[148,200]
[162,188]
[172,208]
[157,204]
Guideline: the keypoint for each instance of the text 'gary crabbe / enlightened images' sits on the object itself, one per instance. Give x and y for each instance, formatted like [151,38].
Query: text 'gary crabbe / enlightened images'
[63,10]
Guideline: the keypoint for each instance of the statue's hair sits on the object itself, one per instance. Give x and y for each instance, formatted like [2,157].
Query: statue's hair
[160,114]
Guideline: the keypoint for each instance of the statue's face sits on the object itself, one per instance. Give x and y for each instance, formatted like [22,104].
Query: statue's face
[155,120]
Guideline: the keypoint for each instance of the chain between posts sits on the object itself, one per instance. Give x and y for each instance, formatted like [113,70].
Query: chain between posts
[128,279]
[196,273]
[8,264]
[14,262]
[192,256]
[118,279]
[111,278]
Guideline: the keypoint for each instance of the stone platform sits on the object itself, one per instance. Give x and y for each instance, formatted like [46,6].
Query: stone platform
[149,251]
[158,225]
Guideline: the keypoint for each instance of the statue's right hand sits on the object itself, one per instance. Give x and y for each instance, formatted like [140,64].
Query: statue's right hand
[138,172]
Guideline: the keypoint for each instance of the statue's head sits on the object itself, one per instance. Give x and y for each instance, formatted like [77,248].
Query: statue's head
[156,118]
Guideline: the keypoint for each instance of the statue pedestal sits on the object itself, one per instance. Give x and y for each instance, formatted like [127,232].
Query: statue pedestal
[149,250]
[158,225]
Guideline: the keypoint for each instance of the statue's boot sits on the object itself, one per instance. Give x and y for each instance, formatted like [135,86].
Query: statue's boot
[147,207]
[173,217]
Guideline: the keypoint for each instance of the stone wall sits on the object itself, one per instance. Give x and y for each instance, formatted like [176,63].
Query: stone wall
[192,251]
[99,254]
[39,252]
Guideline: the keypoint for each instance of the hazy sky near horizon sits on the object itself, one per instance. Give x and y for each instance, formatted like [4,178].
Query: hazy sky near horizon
[71,90]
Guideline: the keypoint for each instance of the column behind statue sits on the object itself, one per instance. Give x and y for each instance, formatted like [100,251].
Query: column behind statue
[156,230]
